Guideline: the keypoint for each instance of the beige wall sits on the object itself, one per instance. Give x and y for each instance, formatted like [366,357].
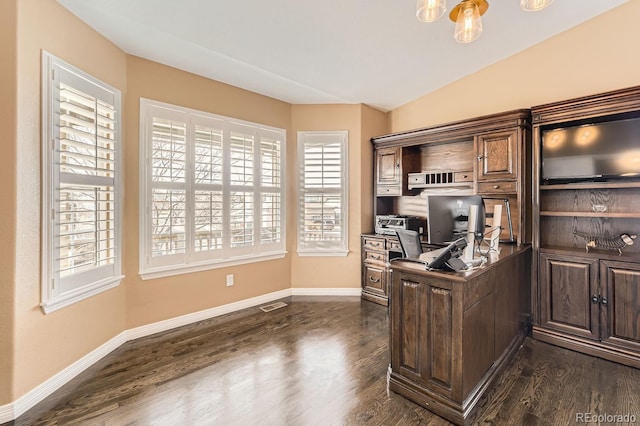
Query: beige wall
[159,299]
[8,78]
[330,272]
[46,344]
[597,56]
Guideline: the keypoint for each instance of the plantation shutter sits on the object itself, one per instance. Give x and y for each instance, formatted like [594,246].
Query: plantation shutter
[322,225]
[81,154]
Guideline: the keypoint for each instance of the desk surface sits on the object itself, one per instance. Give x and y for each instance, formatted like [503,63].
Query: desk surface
[493,259]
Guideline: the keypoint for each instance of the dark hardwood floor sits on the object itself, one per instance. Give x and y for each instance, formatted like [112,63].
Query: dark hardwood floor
[318,361]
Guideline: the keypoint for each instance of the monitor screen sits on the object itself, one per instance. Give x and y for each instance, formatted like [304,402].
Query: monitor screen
[448,217]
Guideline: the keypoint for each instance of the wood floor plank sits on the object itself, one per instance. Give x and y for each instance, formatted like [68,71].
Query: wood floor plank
[318,361]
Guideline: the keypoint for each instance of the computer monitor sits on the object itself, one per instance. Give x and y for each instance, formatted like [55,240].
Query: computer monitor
[448,217]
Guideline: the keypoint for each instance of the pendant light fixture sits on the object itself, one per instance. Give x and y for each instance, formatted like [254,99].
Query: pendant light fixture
[430,10]
[534,5]
[467,14]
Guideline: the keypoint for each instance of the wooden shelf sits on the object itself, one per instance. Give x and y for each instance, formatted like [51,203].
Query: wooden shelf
[596,253]
[590,185]
[630,215]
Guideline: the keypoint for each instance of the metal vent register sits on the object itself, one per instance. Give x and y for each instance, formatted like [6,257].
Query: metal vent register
[272,306]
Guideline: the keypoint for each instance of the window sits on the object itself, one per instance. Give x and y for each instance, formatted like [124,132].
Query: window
[81,185]
[212,191]
[322,216]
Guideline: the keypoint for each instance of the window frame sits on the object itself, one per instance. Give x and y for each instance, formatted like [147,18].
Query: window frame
[340,248]
[59,292]
[191,260]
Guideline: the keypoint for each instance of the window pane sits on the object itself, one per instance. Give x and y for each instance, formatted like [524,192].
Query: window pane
[168,222]
[168,153]
[87,134]
[86,228]
[270,215]
[271,162]
[241,159]
[208,220]
[322,217]
[241,226]
[208,156]
[322,165]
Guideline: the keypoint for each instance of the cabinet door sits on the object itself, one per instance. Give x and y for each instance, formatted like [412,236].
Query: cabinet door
[423,332]
[621,304]
[388,167]
[497,156]
[568,286]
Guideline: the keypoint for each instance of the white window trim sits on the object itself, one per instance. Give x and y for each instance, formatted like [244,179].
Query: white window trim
[343,137]
[192,263]
[52,298]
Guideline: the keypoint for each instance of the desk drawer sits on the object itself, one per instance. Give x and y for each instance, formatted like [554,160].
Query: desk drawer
[373,243]
[376,256]
[498,187]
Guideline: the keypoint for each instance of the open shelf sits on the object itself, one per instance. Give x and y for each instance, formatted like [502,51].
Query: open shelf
[589,185]
[629,215]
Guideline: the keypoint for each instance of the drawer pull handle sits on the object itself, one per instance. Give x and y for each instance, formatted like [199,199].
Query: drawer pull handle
[375,256]
[496,186]
[374,280]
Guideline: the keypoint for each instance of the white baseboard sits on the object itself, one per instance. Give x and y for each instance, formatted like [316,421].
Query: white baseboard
[14,410]
[157,327]
[23,404]
[326,291]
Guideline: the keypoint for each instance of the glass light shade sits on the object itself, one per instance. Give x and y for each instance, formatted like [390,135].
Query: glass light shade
[430,10]
[534,5]
[468,24]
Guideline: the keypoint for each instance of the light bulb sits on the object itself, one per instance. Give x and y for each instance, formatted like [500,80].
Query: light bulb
[468,24]
[430,10]
[534,5]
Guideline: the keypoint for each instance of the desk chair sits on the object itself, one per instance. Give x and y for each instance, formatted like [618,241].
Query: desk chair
[409,243]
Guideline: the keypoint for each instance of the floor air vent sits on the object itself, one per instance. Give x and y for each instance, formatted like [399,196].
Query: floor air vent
[273,306]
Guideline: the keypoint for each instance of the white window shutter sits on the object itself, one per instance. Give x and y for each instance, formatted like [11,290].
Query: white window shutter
[81,185]
[323,189]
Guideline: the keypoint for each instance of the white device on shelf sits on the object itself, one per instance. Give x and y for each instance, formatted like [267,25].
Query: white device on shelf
[495,225]
[467,257]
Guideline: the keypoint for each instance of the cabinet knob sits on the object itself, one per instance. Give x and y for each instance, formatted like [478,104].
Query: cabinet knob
[604,301]
[496,186]
[480,157]
[595,299]
[397,165]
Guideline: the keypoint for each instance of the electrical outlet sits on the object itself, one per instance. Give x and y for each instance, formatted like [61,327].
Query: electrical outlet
[229,280]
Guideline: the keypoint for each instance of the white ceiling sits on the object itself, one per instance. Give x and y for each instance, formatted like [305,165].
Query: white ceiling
[331,51]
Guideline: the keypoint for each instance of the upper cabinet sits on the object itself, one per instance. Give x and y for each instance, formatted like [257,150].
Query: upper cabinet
[389,171]
[497,155]
[485,155]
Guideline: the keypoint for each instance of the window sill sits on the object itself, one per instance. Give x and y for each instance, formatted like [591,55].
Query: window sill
[169,271]
[82,293]
[315,253]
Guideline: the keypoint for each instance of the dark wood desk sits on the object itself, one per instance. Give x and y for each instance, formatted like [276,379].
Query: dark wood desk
[452,334]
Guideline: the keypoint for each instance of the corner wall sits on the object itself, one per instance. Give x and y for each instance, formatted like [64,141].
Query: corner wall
[8,80]
[596,56]
[155,300]
[46,344]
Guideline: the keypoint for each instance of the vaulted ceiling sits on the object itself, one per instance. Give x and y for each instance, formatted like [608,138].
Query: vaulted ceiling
[332,51]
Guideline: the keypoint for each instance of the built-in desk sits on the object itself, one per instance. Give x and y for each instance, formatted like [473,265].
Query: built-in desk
[452,333]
